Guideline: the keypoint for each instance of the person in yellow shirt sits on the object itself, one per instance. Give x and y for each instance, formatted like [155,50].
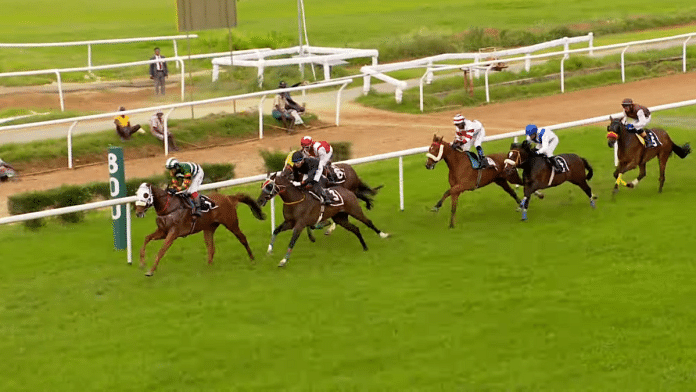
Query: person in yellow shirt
[123,126]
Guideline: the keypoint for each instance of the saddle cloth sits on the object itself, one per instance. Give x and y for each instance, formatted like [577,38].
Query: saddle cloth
[561,162]
[207,204]
[475,160]
[336,175]
[651,140]
[335,198]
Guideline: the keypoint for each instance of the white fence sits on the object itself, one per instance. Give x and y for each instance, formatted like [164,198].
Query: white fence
[223,184]
[305,54]
[89,44]
[263,94]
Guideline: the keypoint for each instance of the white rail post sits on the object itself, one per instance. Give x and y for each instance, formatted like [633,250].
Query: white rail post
[261,116]
[60,91]
[401,183]
[129,241]
[527,62]
[166,132]
[623,65]
[176,51]
[338,103]
[590,41]
[420,88]
[183,79]
[565,57]
[89,58]
[429,73]
[70,154]
[272,215]
[366,84]
[488,69]
[684,54]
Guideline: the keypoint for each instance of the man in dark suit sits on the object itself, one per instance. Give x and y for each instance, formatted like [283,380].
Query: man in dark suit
[158,71]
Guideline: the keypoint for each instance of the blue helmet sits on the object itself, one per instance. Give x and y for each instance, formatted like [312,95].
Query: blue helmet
[530,129]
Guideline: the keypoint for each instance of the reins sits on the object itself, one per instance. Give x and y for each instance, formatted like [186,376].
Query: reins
[165,206]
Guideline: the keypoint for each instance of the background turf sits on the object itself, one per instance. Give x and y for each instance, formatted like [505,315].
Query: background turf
[573,299]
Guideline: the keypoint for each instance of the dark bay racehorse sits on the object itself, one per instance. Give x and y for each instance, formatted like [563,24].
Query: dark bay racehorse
[631,153]
[538,173]
[174,219]
[301,209]
[463,177]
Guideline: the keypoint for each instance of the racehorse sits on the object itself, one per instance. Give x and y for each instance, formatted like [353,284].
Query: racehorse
[174,219]
[631,152]
[342,174]
[538,172]
[301,209]
[463,177]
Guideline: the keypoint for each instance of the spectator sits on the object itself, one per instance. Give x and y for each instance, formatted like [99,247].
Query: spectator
[7,171]
[157,130]
[123,126]
[286,110]
[158,71]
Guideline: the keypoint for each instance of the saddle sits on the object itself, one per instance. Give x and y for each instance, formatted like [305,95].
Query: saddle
[559,164]
[651,140]
[475,163]
[335,198]
[207,204]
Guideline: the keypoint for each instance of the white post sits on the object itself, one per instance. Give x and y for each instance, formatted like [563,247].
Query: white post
[89,58]
[327,71]
[488,69]
[261,116]
[272,215]
[623,66]
[566,45]
[259,74]
[366,84]
[176,51]
[60,92]
[129,241]
[527,62]
[70,155]
[429,72]
[684,54]
[401,183]
[166,132]
[420,88]
[590,35]
[183,79]
[338,102]
[477,72]
[216,72]
[563,72]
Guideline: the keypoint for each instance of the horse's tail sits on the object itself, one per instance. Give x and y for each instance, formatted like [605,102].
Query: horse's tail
[681,151]
[365,193]
[248,200]
[590,172]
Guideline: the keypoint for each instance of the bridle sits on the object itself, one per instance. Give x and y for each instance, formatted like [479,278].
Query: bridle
[439,154]
[269,189]
[516,161]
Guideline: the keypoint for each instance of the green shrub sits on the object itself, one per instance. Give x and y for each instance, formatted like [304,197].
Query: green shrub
[341,151]
[218,172]
[273,160]
[66,196]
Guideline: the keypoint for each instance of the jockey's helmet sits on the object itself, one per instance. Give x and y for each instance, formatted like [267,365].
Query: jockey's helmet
[297,156]
[627,102]
[122,109]
[306,141]
[282,84]
[172,163]
[458,119]
[530,130]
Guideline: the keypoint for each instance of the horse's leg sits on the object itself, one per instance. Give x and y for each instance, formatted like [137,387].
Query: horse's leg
[281,227]
[234,228]
[171,236]
[663,165]
[157,235]
[641,174]
[507,188]
[524,204]
[455,199]
[342,219]
[310,235]
[442,200]
[295,234]
[331,228]
[208,236]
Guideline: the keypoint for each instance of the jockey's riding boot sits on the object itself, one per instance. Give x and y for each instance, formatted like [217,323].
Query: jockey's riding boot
[483,162]
[324,197]
[556,165]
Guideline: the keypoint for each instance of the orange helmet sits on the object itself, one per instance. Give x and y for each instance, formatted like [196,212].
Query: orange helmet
[306,141]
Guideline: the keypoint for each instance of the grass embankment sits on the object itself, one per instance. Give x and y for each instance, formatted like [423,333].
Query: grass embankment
[573,299]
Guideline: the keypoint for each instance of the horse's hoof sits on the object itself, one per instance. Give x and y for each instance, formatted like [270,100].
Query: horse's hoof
[435,209]
[282,263]
[383,234]
[592,203]
[270,250]
[149,273]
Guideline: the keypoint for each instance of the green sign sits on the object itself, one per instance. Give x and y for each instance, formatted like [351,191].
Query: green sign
[117,186]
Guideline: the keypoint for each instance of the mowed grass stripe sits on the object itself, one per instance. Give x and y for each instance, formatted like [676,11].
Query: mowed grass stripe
[573,299]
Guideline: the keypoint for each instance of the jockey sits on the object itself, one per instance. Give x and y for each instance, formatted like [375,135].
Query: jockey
[310,166]
[468,133]
[321,150]
[639,113]
[187,177]
[547,139]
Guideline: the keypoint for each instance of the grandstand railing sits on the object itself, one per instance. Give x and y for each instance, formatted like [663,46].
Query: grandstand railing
[127,201]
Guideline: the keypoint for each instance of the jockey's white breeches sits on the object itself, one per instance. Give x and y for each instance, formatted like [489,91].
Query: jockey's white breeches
[196,182]
[323,160]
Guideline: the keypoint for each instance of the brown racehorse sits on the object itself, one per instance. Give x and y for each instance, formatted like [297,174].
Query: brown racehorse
[631,152]
[462,177]
[300,210]
[537,172]
[174,219]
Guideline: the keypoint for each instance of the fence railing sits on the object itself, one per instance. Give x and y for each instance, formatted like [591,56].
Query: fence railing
[73,121]
[127,201]
[89,44]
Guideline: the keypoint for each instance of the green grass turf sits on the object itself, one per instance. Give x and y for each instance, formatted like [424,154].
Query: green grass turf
[573,299]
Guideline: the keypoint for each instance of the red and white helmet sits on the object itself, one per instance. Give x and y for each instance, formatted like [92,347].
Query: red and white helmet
[458,119]
[306,141]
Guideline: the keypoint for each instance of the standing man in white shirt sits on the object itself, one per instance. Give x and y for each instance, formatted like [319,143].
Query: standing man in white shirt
[158,71]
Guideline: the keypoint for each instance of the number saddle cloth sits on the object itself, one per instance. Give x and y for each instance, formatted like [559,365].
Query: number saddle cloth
[335,198]
[475,164]
[651,139]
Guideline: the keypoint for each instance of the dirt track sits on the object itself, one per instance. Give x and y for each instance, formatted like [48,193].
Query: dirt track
[370,131]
